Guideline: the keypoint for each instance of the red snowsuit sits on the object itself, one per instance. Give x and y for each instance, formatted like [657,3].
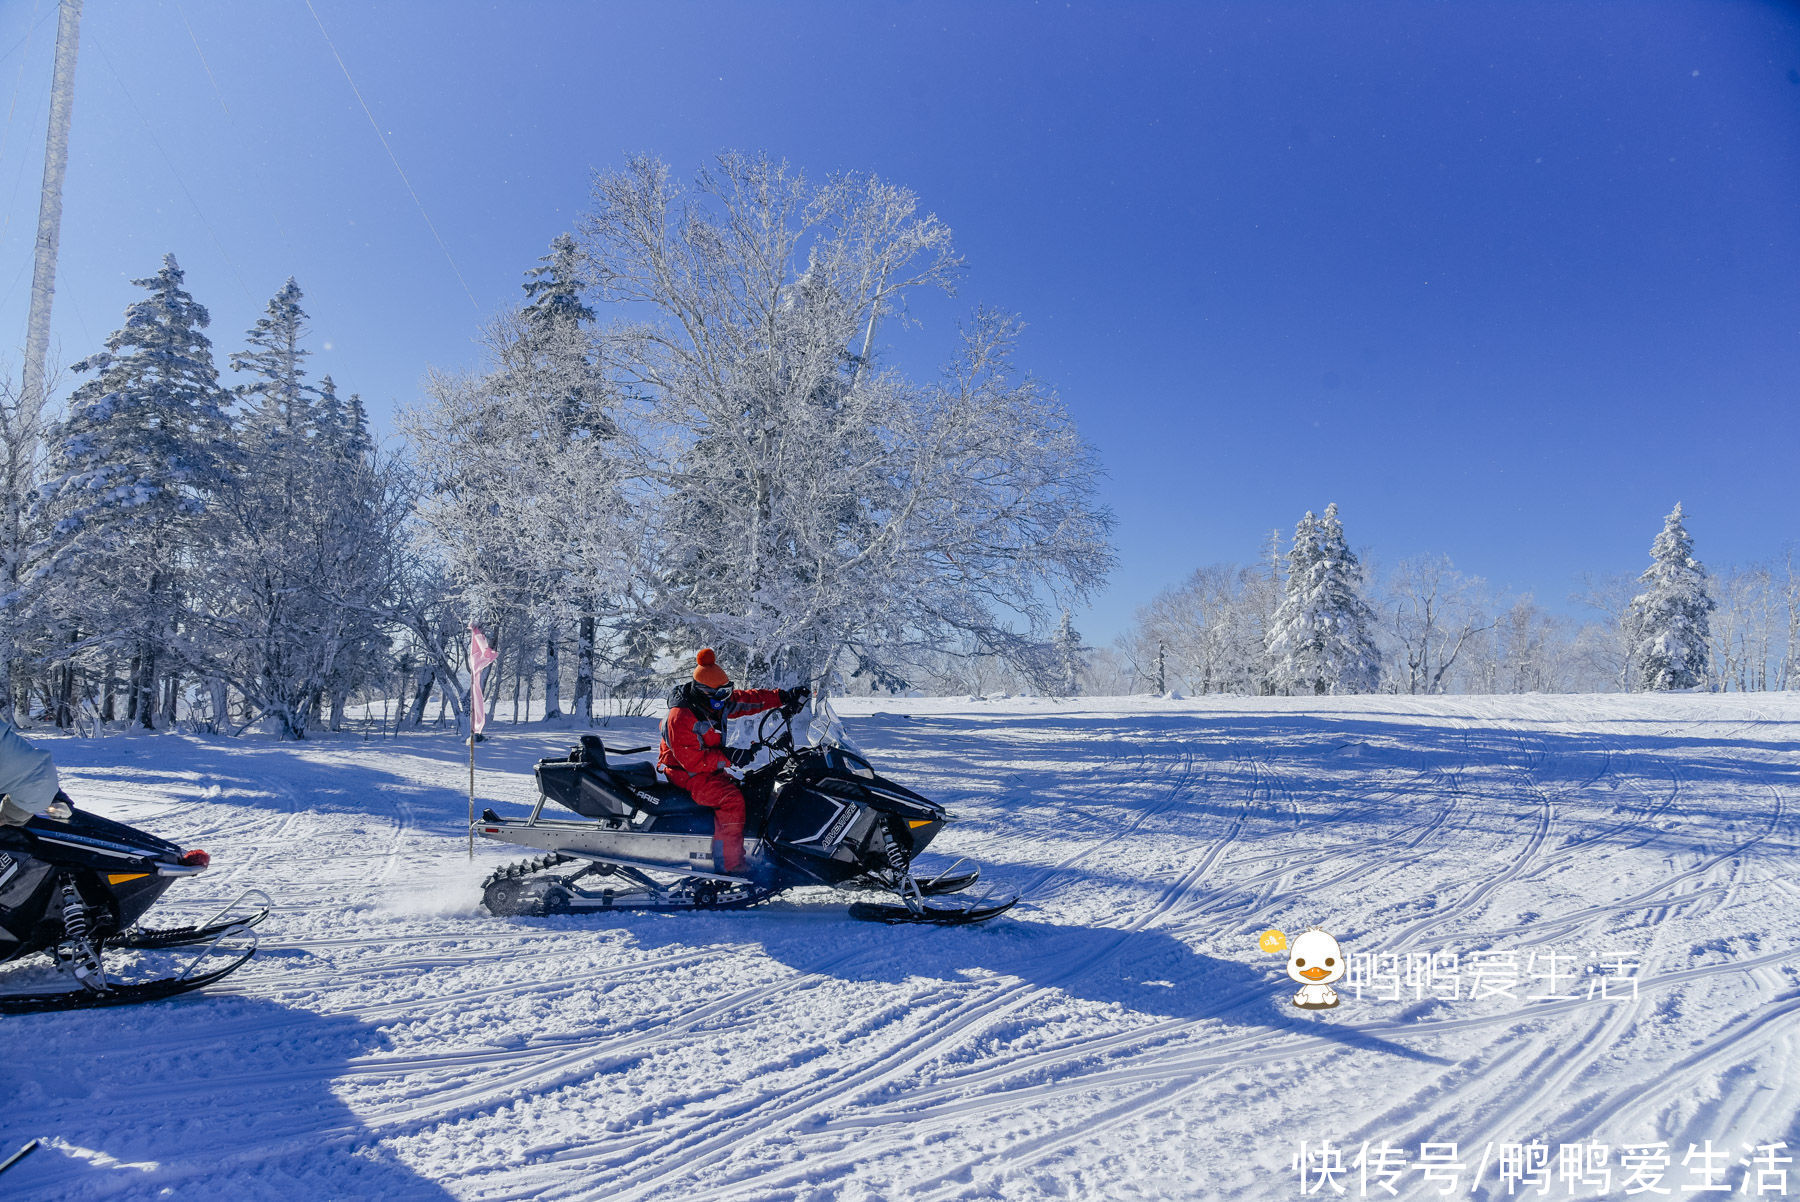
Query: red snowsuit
[694,758]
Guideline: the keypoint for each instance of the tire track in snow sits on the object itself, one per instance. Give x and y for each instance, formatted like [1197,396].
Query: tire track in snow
[927,1040]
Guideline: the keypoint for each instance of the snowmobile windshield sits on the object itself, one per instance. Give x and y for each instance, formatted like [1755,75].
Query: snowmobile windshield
[826,729]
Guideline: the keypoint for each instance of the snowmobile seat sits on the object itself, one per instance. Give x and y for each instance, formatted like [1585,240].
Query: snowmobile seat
[586,783]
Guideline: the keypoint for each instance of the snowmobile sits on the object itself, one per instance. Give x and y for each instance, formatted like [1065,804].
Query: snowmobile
[74,887]
[815,814]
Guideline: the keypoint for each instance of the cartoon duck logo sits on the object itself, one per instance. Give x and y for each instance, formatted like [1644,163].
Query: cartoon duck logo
[1315,961]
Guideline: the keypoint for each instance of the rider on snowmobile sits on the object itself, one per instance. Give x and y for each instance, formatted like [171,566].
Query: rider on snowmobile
[28,783]
[694,756]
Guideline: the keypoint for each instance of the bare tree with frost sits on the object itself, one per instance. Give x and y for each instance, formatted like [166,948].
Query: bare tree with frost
[1434,614]
[812,504]
[1209,630]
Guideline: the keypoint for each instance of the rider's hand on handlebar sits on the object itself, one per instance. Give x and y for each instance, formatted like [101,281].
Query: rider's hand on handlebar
[794,700]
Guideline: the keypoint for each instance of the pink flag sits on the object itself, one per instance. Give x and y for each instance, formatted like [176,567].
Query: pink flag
[480,656]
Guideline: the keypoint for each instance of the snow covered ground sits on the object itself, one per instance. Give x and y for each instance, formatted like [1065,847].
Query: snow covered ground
[1120,1036]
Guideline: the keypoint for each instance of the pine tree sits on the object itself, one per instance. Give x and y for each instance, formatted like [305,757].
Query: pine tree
[304,541]
[132,470]
[1668,624]
[556,318]
[555,288]
[1319,641]
[279,404]
[1070,663]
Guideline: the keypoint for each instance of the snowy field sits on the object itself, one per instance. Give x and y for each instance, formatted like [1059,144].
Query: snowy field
[1119,1036]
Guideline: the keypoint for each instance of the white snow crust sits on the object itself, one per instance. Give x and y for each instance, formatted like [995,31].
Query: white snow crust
[1120,1035]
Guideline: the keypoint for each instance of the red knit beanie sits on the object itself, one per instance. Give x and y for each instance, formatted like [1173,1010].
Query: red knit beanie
[709,673]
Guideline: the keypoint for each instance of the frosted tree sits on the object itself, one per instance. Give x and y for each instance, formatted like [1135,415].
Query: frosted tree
[812,507]
[21,464]
[1209,630]
[304,541]
[1070,658]
[556,318]
[1319,641]
[132,469]
[1433,615]
[1668,622]
[525,488]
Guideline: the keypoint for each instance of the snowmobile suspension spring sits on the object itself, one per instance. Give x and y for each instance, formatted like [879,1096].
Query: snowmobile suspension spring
[896,858]
[80,956]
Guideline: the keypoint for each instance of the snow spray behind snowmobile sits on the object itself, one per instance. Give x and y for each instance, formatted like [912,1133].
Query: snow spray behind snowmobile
[72,888]
[814,815]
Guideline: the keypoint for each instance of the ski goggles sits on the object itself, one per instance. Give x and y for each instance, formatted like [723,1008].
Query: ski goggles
[716,697]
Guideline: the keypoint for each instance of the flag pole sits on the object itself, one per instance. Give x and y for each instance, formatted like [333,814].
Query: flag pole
[471,786]
[480,656]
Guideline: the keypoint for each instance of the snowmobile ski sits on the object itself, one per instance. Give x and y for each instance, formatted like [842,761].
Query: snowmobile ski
[144,939]
[943,916]
[936,886]
[944,883]
[126,994]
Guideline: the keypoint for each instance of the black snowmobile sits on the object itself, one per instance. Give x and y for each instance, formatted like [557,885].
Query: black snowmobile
[72,888]
[814,815]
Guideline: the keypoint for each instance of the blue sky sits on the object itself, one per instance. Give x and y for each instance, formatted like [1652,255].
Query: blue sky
[1503,280]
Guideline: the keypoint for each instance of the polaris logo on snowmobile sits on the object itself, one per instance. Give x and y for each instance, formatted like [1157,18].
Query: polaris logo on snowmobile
[835,832]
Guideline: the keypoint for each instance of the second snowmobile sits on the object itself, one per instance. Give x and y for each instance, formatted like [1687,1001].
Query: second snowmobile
[815,815]
[75,886]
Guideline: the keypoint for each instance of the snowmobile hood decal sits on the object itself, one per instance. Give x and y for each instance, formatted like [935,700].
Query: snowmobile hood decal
[102,846]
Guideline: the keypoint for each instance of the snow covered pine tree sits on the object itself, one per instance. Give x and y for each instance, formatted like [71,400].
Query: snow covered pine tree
[1668,623]
[1070,663]
[303,537]
[1319,640]
[133,469]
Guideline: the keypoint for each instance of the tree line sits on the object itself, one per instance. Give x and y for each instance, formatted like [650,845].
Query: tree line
[686,432]
[1313,622]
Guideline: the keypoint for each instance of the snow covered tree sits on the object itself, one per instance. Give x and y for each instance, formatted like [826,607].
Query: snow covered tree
[1319,641]
[132,469]
[1668,622]
[1070,660]
[524,474]
[21,466]
[1209,630]
[812,507]
[305,540]
[555,286]
[555,320]
[1434,614]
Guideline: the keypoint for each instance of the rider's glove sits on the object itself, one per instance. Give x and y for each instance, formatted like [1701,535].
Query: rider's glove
[794,700]
[740,755]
